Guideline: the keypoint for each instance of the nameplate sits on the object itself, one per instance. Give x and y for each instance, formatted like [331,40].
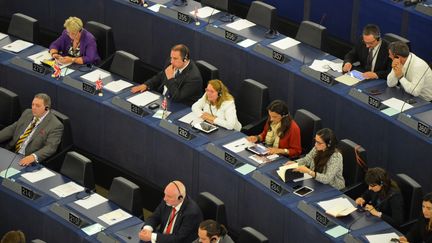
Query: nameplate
[184,133]
[67,215]
[231,36]
[74,219]
[230,159]
[374,102]
[270,53]
[39,68]
[20,189]
[137,110]
[268,182]
[183,17]
[139,2]
[321,218]
[225,156]
[88,88]
[326,78]
[423,128]
[278,56]
[276,187]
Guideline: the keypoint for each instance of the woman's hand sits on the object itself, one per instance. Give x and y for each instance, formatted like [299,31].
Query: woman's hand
[360,201]
[252,139]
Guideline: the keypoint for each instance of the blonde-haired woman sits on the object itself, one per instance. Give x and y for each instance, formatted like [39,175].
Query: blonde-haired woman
[217,106]
[75,45]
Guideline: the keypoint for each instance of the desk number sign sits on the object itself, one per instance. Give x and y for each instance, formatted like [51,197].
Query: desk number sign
[88,88]
[374,102]
[137,110]
[322,219]
[183,17]
[184,133]
[230,159]
[27,192]
[230,36]
[326,78]
[423,128]
[38,68]
[74,219]
[275,187]
[278,56]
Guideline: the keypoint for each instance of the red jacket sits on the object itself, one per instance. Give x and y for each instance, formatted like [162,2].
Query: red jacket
[291,139]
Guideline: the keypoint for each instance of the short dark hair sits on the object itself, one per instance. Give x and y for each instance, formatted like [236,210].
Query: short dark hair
[183,49]
[399,48]
[372,29]
[213,228]
[46,99]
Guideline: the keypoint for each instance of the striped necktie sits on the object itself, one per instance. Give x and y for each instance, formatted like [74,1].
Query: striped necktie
[25,135]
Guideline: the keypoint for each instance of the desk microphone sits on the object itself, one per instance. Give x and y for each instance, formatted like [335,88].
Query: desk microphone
[408,100]
[10,164]
[211,15]
[87,191]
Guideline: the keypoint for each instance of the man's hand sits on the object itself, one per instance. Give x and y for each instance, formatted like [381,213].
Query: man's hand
[169,72]
[370,75]
[26,161]
[145,235]
[347,67]
[139,88]
[397,68]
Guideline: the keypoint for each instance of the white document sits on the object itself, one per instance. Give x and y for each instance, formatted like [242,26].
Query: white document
[337,207]
[245,169]
[38,175]
[2,36]
[320,65]
[67,189]
[156,7]
[17,46]
[191,119]
[161,114]
[40,56]
[336,66]
[238,145]
[204,12]
[240,24]
[95,75]
[246,43]
[143,99]
[116,86]
[306,176]
[10,172]
[281,171]
[93,229]
[285,43]
[397,104]
[114,216]
[66,71]
[380,238]
[347,80]
[92,201]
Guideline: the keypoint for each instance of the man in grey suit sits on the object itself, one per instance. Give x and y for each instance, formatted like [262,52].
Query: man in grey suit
[36,134]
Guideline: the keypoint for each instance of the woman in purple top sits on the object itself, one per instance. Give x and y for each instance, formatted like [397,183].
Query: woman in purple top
[75,45]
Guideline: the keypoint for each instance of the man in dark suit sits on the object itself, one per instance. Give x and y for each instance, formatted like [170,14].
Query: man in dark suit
[177,216]
[36,134]
[211,231]
[372,54]
[181,80]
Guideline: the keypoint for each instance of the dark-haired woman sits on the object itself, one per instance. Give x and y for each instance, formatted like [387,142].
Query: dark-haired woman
[422,230]
[281,133]
[324,162]
[383,198]
[210,231]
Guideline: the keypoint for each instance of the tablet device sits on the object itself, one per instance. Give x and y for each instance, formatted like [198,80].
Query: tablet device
[258,149]
[356,74]
[303,191]
[206,127]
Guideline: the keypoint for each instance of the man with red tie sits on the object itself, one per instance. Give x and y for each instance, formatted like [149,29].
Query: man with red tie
[37,133]
[177,216]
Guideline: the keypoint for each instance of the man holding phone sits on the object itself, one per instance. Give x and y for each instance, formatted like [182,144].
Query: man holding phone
[412,72]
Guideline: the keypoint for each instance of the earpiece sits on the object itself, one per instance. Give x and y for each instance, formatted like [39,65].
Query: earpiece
[381,183]
[213,239]
[46,108]
[178,189]
[329,143]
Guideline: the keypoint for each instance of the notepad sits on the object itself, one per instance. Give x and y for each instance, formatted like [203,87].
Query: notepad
[337,231]
[10,172]
[240,24]
[245,169]
[204,12]
[337,207]
[117,86]
[17,46]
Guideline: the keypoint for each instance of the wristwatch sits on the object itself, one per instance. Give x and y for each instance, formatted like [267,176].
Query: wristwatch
[286,151]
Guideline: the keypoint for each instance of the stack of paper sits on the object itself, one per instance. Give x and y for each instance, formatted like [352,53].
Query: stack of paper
[282,170]
[337,207]
[143,99]
[397,104]
[40,56]
[92,201]
[117,86]
[262,159]
[285,43]
[240,24]
[238,145]
[114,216]
[379,238]
[17,46]
[204,12]
[38,175]
[191,119]
[325,65]
[95,75]
[67,189]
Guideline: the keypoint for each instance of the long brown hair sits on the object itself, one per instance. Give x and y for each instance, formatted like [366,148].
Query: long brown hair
[322,157]
[223,92]
[281,108]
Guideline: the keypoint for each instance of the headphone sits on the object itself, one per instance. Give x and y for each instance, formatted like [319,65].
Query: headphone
[329,144]
[375,31]
[178,189]
[46,108]
[184,52]
[213,239]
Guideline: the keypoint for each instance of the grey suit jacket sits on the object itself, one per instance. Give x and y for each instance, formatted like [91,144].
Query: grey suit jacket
[45,139]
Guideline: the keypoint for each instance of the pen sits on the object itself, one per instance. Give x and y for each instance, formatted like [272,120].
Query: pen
[238,145]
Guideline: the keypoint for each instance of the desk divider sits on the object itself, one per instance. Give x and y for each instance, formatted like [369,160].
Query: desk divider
[69,216]
[126,105]
[225,156]
[413,123]
[177,130]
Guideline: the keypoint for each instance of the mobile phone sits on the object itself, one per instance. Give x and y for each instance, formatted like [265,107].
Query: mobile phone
[303,191]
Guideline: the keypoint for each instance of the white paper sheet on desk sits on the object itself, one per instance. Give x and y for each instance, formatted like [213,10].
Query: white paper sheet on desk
[245,169]
[93,229]
[380,238]
[320,65]
[397,104]
[10,172]
[67,189]
[66,71]
[204,12]
[238,145]
[285,43]
[306,176]
[114,217]
[92,201]
[347,80]
[240,24]
[39,175]
[282,170]
[17,46]
[95,75]
[40,56]
[143,99]
[2,36]
[191,118]
[339,206]
[156,7]
[246,43]
[116,86]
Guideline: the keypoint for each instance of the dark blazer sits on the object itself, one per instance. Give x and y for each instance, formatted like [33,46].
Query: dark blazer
[223,239]
[45,139]
[360,53]
[186,225]
[391,207]
[418,232]
[186,88]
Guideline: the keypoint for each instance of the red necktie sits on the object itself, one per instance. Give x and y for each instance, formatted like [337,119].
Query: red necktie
[171,221]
